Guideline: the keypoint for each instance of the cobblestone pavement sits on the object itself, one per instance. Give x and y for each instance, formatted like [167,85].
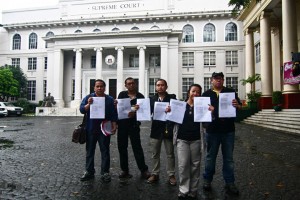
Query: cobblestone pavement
[43,163]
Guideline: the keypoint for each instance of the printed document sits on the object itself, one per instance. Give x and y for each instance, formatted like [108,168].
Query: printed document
[97,108]
[177,111]
[226,108]
[144,111]
[159,111]
[201,112]
[123,108]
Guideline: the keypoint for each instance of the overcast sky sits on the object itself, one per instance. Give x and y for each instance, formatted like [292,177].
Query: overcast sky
[17,4]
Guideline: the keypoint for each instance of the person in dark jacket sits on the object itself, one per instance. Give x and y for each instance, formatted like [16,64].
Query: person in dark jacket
[221,131]
[94,133]
[162,132]
[131,128]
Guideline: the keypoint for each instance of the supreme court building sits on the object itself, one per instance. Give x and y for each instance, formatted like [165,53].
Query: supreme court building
[62,49]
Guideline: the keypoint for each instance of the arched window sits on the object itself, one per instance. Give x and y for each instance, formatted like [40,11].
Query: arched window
[135,28]
[231,32]
[16,42]
[115,29]
[96,30]
[50,34]
[33,41]
[209,33]
[78,31]
[188,34]
[154,27]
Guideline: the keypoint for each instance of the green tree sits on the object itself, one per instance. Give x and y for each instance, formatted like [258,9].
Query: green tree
[240,4]
[22,80]
[8,84]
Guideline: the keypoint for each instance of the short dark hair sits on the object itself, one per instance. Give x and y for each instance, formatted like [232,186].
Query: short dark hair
[163,80]
[216,74]
[129,78]
[100,80]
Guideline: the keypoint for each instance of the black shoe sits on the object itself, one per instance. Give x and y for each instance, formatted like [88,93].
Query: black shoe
[87,176]
[125,174]
[106,177]
[145,175]
[231,189]
[206,185]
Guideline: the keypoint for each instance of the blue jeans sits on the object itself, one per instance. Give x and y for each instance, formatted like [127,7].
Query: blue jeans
[214,140]
[103,141]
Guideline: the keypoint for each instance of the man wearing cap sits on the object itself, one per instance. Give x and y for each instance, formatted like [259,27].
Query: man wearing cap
[221,131]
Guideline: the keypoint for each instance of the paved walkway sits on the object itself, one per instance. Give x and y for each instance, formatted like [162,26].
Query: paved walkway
[43,163]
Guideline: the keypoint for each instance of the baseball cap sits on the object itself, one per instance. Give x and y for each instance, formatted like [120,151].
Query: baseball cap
[217,74]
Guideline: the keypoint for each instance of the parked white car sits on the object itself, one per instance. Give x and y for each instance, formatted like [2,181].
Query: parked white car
[3,112]
[11,109]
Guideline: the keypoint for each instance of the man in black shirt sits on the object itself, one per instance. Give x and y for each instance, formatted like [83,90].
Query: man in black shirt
[130,127]
[221,131]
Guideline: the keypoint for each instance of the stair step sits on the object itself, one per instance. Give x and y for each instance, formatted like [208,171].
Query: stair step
[284,129]
[275,120]
[274,124]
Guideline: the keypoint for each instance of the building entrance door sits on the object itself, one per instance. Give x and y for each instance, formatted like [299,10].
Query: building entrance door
[113,88]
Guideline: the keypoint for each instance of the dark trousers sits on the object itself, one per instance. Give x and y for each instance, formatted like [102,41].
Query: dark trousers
[103,141]
[133,132]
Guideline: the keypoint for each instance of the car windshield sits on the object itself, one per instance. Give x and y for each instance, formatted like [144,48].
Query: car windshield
[8,104]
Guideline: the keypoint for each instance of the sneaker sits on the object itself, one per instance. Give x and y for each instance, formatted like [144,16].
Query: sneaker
[153,178]
[172,180]
[230,188]
[125,175]
[87,176]
[106,178]
[146,174]
[181,195]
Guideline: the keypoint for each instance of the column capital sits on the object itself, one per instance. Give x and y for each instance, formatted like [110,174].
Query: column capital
[264,14]
[119,48]
[77,50]
[141,47]
[249,31]
[98,49]
[164,46]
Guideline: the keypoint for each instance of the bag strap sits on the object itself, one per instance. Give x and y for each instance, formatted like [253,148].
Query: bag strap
[85,115]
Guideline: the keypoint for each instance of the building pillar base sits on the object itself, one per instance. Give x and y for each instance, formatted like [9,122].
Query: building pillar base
[291,101]
[265,103]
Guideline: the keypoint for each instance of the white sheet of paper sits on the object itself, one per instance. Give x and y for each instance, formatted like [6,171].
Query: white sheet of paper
[159,111]
[123,108]
[225,105]
[177,111]
[144,111]
[201,112]
[97,108]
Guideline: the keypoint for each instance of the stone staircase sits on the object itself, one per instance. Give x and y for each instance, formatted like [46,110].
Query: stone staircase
[287,120]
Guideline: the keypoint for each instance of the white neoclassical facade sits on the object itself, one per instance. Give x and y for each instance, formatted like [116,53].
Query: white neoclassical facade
[62,49]
[272,33]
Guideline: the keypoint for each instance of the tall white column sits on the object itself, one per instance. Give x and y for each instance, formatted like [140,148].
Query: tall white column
[250,65]
[276,59]
[164,62]
[78,62]
[120,58]
[289,37]
[266,57]
[142,85]
[98,62]
[58,78]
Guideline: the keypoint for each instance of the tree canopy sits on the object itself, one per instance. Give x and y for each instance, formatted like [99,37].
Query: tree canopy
[238,4]
[13,82]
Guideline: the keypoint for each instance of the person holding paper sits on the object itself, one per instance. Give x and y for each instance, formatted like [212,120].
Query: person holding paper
[188,141]
[130,127]
[221,131]
[162,131]
[94,133]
